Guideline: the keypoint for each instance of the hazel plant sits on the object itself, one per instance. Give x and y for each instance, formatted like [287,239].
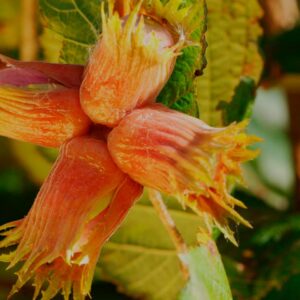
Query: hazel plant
[114,140]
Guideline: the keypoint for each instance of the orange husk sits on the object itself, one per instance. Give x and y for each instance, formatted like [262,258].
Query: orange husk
[182,156]
[137,57]
[45,115]
[81,203]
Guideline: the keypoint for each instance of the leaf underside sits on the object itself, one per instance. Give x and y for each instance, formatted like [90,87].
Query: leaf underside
[208,279]
[232,54]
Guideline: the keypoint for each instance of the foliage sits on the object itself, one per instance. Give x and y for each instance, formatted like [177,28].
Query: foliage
[238,109]
[178,92]
[122,263]
[211,284]
[75,26]
[140,258]
[232,54]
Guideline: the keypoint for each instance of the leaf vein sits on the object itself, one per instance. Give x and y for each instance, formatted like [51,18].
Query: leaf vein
[139,248]
[165,289]
[150,273]
[130,264]
[83,15]
[59,10]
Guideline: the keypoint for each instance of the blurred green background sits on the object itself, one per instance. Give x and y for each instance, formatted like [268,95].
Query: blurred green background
[267,263]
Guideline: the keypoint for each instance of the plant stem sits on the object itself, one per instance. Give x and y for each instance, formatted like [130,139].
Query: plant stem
[180,245]
[29,42]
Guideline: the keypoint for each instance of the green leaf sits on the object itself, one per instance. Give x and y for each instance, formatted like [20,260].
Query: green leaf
[178,92]
[141,259]
[73,26]
[241,105]
[75,23]
[52,44]
[187,105]
[232,53]
[208,279]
